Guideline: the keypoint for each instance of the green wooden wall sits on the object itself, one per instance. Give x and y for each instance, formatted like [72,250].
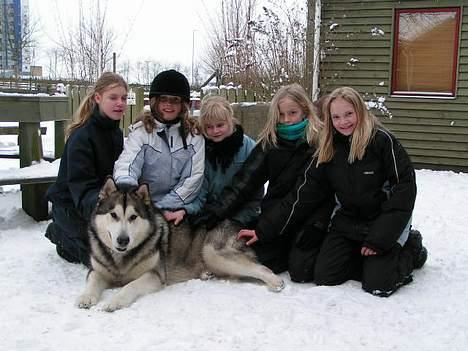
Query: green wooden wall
[434,131]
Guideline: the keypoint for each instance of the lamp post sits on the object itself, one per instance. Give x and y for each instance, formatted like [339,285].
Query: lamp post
[193,53]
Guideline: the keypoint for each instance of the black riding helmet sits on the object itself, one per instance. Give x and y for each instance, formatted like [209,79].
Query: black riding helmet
[172,83]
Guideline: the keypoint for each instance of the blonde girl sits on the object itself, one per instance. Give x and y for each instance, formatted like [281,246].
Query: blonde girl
[291,107]
[94,142]
[286,144]
[373,181]
[226,149]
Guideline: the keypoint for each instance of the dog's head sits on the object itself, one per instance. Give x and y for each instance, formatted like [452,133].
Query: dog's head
[122,220]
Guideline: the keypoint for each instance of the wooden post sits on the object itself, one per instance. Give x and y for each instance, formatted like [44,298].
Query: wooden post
[30,144]
[30,149]
[29,112]
[140,103]
[231,95]
[59,138]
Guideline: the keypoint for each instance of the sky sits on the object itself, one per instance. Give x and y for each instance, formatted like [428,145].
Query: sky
[38,291]
[169,32]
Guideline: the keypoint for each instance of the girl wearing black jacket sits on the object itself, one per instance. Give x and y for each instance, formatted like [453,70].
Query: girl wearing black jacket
[94,143]
[374,184]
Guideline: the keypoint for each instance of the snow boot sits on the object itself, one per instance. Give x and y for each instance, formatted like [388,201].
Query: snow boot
[419,251]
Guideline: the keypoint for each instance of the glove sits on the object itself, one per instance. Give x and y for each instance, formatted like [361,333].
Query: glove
[196,221]
[212,220]
[208,218]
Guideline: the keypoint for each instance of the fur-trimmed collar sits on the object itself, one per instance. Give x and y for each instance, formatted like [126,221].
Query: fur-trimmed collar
[222,153]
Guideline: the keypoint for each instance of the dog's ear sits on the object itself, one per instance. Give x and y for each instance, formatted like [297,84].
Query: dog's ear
[144,194]
[108,188]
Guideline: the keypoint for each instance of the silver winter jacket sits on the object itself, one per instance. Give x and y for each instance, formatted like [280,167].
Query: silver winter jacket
[174,174]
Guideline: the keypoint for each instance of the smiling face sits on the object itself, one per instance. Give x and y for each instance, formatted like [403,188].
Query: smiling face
[112,102]
[218,131]
[170,107]
[343,116]
[289,111]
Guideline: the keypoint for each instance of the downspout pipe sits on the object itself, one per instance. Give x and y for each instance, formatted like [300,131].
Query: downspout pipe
[316,71]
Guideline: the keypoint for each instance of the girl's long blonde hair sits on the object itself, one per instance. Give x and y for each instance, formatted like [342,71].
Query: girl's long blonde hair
[366,127]
[296,93]
[106,81]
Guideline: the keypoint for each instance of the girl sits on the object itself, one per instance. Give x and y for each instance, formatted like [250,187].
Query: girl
[285,146]
[226,148]
[165,149]
[94,143]
[375,188]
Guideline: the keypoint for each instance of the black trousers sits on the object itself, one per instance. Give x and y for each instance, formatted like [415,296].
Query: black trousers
[294,252]
[340,260]
[68,231]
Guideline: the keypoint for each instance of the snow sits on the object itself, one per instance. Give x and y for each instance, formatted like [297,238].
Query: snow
[377,32]
[38,290]
[42,168]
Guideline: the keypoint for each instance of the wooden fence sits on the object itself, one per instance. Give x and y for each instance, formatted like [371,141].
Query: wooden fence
[76,94]
[236,94]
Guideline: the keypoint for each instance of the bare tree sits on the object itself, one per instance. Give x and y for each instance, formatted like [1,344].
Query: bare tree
[146,70]
[280,45]
[125,69]
[231,48]
[86,50]
[259,48]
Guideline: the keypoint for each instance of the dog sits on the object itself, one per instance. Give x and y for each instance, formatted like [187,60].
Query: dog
[132,246]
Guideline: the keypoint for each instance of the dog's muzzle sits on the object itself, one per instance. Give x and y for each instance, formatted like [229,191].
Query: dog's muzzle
[122,241]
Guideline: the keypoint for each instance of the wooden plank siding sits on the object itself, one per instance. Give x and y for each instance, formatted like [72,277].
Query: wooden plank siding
[433,130]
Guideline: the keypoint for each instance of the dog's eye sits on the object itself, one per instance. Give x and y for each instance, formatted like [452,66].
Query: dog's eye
[113,215]
[132,218]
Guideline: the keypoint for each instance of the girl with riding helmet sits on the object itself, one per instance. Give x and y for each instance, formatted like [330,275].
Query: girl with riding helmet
[165,149]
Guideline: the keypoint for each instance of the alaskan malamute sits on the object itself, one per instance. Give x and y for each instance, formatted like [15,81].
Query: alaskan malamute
[134,247]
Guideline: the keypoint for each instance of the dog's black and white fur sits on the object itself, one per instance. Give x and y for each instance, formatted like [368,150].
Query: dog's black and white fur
[132,246]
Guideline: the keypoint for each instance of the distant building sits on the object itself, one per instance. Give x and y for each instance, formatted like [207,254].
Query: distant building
[14,56]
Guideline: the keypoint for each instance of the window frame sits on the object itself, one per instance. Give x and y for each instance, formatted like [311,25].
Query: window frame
[456,53]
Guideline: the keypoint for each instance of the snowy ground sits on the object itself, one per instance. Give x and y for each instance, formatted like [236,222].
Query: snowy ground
[38,290]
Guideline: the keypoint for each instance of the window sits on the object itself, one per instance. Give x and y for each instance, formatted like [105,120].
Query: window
[425,52]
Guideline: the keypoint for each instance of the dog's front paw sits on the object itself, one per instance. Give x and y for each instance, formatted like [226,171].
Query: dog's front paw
[86,301]
[113,306]
[277,286]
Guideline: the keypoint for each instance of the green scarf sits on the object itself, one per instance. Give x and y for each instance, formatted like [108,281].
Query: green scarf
[292,131]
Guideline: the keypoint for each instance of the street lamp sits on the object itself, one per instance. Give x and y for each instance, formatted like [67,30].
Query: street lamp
[193,53]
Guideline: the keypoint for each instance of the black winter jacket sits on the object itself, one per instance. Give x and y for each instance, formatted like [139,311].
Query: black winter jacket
[280,166]
[88,157]
[367,212]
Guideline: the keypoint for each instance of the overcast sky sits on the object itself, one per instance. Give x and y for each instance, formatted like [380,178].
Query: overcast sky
[154,30]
